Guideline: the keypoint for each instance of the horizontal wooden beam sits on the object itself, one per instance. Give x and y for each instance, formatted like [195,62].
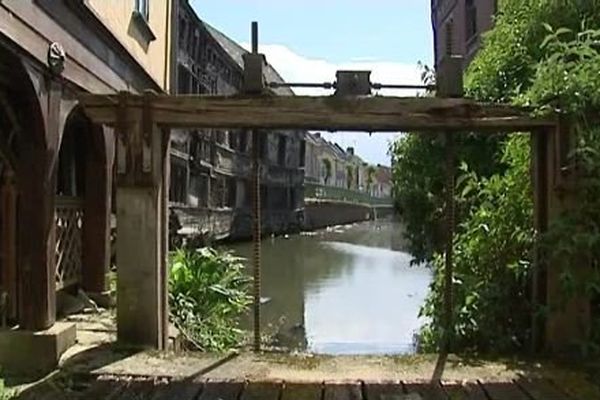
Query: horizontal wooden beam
[321,113]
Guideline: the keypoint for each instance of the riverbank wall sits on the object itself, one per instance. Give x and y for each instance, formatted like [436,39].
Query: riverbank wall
[323,213]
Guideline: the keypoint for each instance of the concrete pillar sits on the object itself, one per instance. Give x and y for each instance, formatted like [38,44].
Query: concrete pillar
[142,186]
[97,211]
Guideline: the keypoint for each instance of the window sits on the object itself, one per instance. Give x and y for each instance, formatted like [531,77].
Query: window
[143,8]
[471,18]
[449,37]
[281,150]
[178,183]
[302,153]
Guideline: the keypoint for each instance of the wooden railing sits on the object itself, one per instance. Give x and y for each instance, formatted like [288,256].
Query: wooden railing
[69,227]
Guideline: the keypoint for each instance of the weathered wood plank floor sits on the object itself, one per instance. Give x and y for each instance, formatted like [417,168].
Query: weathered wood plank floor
[140,389]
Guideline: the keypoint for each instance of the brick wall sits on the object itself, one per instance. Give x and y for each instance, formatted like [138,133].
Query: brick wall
[458,25]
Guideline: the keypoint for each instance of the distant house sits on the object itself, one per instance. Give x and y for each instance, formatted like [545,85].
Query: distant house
[211,183]
[382,186]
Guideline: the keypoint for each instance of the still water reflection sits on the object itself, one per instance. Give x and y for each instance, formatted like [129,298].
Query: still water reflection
[348,290]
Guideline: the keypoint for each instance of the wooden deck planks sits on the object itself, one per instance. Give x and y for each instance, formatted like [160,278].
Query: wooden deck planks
[180,390]
[384,391]
[474,391]
[105,389]
[427,390]
[504,391]
[302,391]
[342,391]
[222,390]
[136,389]
[541,389]
[262,391]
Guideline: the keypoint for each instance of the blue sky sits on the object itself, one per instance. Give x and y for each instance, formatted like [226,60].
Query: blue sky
[308,40]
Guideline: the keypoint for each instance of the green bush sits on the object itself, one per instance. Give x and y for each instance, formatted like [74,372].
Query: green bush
[5,394]
[492,251]
[419,174]
[540,53]
[208,294]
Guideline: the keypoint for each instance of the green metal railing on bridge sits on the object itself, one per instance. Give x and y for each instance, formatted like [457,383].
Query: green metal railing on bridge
[323,192]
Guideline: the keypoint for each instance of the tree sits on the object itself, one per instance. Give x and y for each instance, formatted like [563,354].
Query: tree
[327,169]
[370,177]
[524,60]
[349,176]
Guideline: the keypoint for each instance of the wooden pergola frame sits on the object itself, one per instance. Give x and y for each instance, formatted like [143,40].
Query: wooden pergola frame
[142,123]
[141,120]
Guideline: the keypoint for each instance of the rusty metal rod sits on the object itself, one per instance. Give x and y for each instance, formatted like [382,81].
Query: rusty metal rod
[324,85]
[255,136]
[448,267]
[256,237]
[377,86]
[333,85]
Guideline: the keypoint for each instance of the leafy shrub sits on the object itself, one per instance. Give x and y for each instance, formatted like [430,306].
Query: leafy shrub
[526,61]
[492,257]
[208,294]
[419,175]
[5,394]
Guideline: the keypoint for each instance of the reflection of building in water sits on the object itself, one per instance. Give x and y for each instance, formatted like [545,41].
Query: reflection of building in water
[291,269]
[397,238]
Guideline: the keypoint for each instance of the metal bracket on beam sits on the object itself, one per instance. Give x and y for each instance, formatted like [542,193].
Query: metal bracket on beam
[353,83]
[450,77]
[254,81]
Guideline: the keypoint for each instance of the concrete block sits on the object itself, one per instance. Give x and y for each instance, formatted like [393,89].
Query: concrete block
[27,353]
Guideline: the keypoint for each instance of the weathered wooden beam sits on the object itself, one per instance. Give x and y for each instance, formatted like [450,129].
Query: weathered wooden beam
[325,112]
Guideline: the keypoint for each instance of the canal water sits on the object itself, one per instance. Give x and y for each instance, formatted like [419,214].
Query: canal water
[344,290]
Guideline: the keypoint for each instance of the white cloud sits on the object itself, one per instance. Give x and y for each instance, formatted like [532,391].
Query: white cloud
[294,67]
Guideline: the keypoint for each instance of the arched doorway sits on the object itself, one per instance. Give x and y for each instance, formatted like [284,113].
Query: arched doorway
[22,167]
[9,131]
[69,203]
[83,201]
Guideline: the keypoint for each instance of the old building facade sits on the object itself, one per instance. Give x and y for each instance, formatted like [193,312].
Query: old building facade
[327,165]
[56,166]
[458,25]
[211,192]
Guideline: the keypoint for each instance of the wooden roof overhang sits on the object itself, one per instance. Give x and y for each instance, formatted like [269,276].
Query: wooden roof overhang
[333,113]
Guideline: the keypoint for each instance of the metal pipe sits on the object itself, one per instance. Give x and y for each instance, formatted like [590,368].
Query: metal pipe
[378,86]
[332,85]
[324,85]
[254,37]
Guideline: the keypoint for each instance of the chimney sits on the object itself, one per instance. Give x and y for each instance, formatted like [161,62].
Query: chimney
[350,150]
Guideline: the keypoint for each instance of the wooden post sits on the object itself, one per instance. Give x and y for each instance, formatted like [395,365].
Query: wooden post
[141,258]
[539,159]
[568,320]
[97,210]
[450,84]
[37,228]
[9,243]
